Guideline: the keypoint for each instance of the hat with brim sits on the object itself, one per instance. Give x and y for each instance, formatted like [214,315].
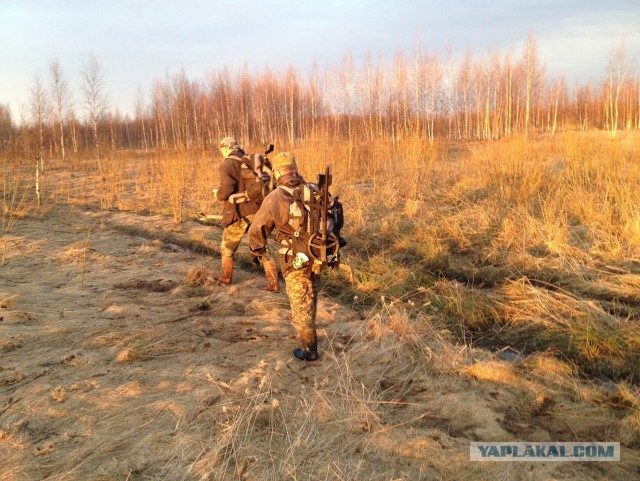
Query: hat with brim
[284,162]
[228,142]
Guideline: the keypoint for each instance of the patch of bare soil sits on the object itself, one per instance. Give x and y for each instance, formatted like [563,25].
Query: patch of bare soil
[119,361]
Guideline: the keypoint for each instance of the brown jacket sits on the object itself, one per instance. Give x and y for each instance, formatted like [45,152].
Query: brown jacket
[273,214]
[231,182]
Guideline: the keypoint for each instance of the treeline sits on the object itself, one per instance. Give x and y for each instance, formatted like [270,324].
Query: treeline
[419,94]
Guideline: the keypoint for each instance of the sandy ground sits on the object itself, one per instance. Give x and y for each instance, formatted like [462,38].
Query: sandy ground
[112,366]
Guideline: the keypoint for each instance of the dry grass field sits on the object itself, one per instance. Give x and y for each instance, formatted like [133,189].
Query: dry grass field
[492,294]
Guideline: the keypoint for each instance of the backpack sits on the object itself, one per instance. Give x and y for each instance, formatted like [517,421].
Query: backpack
[255,172]
[316,218]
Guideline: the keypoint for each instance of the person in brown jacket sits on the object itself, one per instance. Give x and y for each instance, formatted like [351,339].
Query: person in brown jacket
[238,212]
[301,278]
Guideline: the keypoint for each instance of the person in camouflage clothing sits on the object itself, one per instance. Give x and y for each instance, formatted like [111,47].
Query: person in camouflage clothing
[301,280]
[237,214]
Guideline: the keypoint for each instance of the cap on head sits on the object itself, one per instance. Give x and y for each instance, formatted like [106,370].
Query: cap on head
[284,163]
[228,142]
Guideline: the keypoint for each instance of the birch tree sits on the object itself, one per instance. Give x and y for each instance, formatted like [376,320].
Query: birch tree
[61,100]
[616,75]
[531,67]
[464,89]
[39,114]
[95,100]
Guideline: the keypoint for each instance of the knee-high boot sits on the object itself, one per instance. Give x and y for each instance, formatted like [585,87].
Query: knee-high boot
[271,271]
[227,271]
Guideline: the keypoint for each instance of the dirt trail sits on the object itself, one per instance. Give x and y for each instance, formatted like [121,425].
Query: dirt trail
[105,353]
[112,367]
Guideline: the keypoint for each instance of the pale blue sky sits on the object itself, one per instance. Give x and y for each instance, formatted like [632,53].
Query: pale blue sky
[139,41]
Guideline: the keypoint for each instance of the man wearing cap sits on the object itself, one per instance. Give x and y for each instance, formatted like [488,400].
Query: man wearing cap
[301,282]
[237,213]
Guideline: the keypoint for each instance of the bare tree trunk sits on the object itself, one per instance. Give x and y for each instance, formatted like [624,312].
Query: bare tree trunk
[508,121]
[432,81]
[616,80]
[477,77]
[465,81]
[530,68]
[74,137]
[554,125]
[314,99]
[39,110]
[637,123]
[38,182]
[487,112]
[348,87]
[94,98]
[61,97]
[417,84]
[291,103]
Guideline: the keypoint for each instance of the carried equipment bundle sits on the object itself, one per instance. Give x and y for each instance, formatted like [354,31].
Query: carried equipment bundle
[316,218]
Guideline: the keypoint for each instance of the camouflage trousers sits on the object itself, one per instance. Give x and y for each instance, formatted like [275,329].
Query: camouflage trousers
[302,289]
[232,236]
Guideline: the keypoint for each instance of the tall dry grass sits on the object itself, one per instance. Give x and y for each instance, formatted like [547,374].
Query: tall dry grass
[17,199]
[457,228]
[458,251]
[486,219]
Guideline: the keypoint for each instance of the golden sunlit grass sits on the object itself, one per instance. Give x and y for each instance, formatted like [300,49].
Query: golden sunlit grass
[14,203]
[526,244]
[457,254]
[268,433]
[534,244]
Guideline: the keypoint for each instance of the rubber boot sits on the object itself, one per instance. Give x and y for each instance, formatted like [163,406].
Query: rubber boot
[227,271]
[309,349]
[271,271]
